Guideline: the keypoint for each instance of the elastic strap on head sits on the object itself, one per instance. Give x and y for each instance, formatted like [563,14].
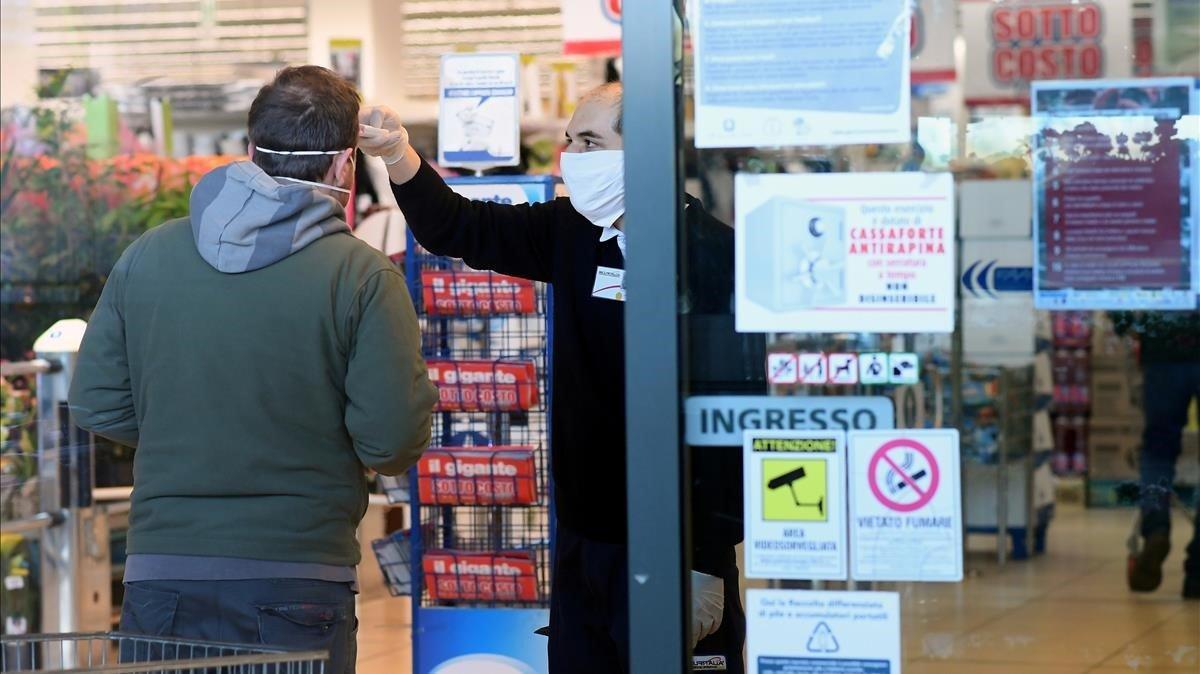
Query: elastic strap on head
[310,183]
[298,153]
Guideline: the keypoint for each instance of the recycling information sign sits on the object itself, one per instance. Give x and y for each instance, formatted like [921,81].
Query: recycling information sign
[807,632]
[905,506]
[795,504]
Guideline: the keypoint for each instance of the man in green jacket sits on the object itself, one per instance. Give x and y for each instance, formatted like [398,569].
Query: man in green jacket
[259,357]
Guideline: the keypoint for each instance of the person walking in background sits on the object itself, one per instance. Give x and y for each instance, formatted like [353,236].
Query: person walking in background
[258,356]
[1170,349]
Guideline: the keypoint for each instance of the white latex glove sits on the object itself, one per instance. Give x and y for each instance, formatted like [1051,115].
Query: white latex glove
[382,134]
[708,605]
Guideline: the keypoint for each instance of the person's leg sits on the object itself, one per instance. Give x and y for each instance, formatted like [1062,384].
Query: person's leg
[724,649]
[1191,565]
[1167,394]
[579,641]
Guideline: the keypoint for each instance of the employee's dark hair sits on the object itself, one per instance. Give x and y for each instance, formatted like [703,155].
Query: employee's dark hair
[303,108]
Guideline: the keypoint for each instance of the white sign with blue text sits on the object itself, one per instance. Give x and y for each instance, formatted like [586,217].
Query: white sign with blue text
[818,72]
[807,632]
[479,110]
[998,317]
[905,505]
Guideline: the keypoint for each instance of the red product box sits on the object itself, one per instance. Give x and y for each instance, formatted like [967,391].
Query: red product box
[476,293]
[478,476]
[484,385]
[509,576]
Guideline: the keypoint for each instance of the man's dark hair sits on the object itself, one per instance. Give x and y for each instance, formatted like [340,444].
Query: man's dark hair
[303,108]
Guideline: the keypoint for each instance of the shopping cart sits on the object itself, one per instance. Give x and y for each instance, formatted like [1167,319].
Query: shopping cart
[128,654]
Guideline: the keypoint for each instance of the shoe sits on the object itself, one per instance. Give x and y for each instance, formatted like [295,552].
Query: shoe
[1145,568]
[1191,587]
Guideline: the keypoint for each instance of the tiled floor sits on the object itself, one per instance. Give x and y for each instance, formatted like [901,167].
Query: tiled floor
[1065,613]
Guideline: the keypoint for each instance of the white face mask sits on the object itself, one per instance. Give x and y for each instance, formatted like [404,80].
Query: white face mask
[597,184]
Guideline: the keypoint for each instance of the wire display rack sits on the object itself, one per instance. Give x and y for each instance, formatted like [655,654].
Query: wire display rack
[128,654]
[480,495]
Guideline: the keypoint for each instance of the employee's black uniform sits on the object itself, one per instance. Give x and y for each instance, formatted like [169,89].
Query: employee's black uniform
[552,242]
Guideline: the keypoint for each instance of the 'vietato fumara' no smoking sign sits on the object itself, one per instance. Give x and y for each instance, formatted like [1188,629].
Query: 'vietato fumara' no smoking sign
[905,506]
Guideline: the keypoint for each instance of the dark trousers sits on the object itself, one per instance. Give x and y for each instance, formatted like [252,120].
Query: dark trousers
[1169,391]
[288,613]
[589,610]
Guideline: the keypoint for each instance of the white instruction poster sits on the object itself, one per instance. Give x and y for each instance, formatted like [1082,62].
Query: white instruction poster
[817,72]
[905,506]
[479,110]
[795,514]
[807,632]
[842,252]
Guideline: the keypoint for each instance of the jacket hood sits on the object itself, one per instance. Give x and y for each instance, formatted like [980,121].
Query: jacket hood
[243,219]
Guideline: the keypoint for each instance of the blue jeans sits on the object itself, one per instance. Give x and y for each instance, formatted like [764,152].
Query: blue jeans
[287,613]
[1169,391]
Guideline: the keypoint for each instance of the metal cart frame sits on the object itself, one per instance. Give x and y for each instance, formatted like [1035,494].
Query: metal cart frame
[129,654]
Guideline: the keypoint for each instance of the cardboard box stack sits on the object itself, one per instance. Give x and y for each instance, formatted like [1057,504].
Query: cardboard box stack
[1115,427]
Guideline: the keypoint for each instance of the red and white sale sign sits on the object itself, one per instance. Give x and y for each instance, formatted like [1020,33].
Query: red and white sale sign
[480,576]
[592,27]
[484,385]
[1015,42]
[476,293]
[478,476]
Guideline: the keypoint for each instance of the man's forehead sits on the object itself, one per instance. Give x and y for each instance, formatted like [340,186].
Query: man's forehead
[595,116]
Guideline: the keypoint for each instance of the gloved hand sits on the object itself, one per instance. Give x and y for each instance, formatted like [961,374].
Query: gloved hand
[382,134]
[708,605]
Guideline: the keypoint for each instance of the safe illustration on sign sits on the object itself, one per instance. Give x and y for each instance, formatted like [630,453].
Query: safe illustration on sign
[802,250]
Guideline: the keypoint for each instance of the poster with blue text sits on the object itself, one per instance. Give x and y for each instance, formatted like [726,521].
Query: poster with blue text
[801,72]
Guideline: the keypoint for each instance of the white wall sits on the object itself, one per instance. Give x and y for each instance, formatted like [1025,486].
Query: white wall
[380,26]
[18,71]
[337,20]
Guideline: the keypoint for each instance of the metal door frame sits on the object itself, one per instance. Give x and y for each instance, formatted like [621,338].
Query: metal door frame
[658,496]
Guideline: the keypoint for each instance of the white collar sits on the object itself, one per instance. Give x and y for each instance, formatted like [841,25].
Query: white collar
[610,233]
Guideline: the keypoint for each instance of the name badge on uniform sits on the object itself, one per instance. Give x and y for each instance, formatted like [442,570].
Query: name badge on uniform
[610,284]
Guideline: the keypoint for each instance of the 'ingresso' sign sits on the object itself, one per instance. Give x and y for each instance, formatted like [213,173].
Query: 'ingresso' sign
[718,421]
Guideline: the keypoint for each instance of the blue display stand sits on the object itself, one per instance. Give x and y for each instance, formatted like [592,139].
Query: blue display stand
[458,626]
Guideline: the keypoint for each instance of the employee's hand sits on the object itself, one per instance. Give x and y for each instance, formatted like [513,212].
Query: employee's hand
[708,606]
[382,134]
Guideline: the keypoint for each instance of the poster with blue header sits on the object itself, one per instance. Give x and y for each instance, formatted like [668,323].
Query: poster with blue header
[479,110]
[801,72]
[481,641]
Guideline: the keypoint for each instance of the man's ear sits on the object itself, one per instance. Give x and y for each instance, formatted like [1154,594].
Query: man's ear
[341,165]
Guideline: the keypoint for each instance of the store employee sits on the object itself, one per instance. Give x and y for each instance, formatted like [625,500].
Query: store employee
[579,246]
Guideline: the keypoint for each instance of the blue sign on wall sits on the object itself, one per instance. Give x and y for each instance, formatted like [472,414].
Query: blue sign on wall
[481,641]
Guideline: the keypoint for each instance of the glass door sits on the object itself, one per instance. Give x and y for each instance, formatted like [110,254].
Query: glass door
[887,302]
